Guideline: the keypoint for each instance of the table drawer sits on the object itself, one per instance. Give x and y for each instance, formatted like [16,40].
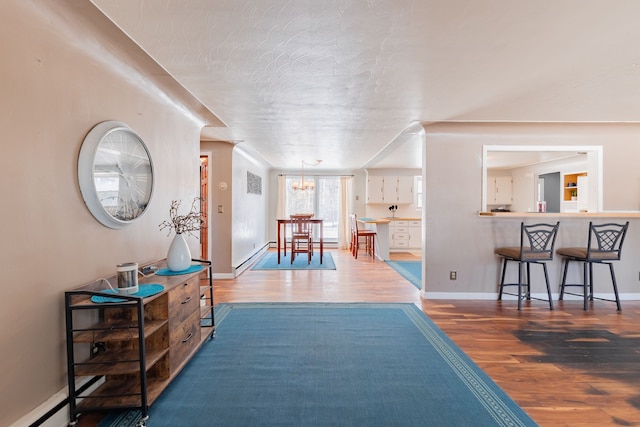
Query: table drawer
[183,340]
[400,244]
[184,299]
[400,236]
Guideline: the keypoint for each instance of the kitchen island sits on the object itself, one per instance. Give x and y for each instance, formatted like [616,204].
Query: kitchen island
[381,227]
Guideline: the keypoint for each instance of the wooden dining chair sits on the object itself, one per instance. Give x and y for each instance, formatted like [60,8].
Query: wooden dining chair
[301,236]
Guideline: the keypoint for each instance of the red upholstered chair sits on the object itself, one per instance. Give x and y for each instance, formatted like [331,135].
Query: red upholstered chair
[536,247]
[357,233]
[301,236]
[604,245]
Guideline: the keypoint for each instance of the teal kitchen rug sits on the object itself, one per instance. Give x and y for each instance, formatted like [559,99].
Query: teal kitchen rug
[410,270]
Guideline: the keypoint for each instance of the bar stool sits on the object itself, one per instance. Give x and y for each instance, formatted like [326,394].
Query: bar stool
[356,234]
[604,245]
[536,247]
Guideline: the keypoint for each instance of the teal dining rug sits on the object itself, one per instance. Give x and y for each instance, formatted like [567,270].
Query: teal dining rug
[323,364]
[410,270]
[269,261]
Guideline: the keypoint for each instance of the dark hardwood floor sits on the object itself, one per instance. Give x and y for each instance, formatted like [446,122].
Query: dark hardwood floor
[565,367]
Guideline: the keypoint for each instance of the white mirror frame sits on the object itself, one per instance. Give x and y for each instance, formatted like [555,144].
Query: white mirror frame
[595,153]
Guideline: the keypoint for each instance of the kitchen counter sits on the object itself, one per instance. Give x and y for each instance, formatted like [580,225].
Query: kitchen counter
[560,214]
[381,227]
[381,241]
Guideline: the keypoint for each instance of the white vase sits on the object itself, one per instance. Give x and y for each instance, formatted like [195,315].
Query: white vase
[179,256]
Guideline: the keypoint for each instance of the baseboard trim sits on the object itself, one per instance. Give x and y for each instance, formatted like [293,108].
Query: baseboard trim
[494,296]
[54,412]
[250,261]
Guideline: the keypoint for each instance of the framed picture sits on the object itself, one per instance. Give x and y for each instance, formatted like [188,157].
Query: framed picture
[254,183]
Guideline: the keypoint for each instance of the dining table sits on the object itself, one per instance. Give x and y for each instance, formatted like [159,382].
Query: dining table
[282,234]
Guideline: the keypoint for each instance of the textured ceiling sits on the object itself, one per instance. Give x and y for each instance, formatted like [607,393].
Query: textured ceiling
[340,80]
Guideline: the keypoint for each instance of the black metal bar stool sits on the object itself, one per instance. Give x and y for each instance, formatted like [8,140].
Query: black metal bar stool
[604,245]
[536,247]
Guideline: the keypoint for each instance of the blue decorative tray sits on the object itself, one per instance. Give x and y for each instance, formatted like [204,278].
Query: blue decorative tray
[167,272]
[143,291]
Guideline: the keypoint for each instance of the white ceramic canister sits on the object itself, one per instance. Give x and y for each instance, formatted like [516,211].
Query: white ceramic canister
[127,278]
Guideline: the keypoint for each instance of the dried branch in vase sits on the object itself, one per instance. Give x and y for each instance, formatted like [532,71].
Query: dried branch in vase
[188,223]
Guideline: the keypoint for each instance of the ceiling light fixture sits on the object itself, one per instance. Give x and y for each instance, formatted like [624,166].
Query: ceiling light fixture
[305,185]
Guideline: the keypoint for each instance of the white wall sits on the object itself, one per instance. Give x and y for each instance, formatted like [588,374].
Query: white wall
[458,239]
[63,71]
[249,210]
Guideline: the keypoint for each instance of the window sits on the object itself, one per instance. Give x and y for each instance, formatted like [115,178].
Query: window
[322,202]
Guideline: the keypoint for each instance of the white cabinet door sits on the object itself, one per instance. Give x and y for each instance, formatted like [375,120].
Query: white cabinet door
[583,193]
[390,189]
[502,191]
[415,234]
[375,185]
[405,189]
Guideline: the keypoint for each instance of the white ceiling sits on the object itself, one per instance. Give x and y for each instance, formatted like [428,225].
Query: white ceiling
[339,80]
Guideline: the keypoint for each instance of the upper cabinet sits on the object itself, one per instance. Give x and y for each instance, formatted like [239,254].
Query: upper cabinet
[375,189]
[390,189]
[499,190]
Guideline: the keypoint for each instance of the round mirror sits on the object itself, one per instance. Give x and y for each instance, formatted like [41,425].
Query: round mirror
[115,173]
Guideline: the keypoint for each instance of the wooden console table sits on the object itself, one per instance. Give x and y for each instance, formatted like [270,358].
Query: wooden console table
[138,345]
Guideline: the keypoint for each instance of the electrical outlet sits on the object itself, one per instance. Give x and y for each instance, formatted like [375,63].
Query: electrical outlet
[453,275]
[97,348]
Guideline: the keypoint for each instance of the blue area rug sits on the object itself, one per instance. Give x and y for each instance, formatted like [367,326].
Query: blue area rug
[331,365]
[269,261]
[410,270]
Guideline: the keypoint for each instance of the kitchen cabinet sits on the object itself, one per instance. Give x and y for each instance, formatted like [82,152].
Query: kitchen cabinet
[575,192]
[415,234]
[135,344]
[405,234]
[405,189]
[390,189]
[375,189]
[499,190]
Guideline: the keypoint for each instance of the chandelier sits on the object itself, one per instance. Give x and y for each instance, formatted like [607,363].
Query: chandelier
[305,185]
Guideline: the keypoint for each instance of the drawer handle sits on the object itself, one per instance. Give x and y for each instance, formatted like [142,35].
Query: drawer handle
[186,301]
[187,338]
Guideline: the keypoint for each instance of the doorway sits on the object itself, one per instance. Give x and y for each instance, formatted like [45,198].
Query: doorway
[204,207]
[549,190]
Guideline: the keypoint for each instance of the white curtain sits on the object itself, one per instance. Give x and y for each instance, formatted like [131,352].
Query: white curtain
[345,206]
[281,203]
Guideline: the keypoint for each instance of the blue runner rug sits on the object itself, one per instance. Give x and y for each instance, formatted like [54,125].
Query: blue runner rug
[331,365]
[410,270]
[270,262]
